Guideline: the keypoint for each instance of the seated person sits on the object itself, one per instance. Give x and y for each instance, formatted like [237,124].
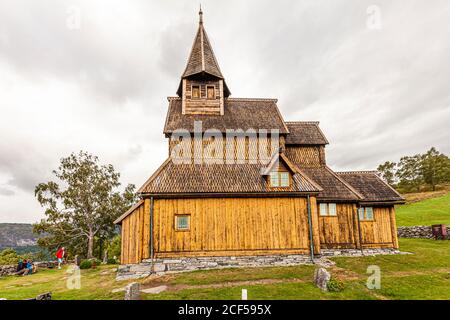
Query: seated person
[23,268]
[19,265]
[29,268]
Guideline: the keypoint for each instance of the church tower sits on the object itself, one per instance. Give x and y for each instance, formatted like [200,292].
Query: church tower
[202,88]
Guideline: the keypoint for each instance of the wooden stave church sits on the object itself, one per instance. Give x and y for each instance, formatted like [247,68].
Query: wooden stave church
[232,209]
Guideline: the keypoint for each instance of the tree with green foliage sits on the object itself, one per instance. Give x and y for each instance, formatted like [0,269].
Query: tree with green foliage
[387,171]
[435,168]
[409,172]
[82,204]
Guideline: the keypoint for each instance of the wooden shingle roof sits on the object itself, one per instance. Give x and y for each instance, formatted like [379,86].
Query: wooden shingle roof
[334,188]
[305,133]
[192,178]
[202,59]
[371,186]
[239,114]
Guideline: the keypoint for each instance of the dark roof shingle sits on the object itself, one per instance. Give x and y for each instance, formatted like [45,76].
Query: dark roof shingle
[305,133]
[333,187]
[202,58]
[174,178]
[239,114]
[371,186]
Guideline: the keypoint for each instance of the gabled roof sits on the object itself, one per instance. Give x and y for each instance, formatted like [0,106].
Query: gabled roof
[371,186]
[334,188]
[305,133]
[242,114]
[206,179]
[129,211]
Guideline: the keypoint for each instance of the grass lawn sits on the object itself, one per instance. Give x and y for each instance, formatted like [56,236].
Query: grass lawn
[426,212]
[423,275]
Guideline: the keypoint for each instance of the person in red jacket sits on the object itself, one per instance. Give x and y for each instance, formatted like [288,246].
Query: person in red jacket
[60,256]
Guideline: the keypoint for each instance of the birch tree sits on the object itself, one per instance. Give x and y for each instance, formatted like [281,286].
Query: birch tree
[81,204]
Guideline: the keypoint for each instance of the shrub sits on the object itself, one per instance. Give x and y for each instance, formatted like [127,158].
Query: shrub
[111,261]
[335,285]
[9,256]
[85,264]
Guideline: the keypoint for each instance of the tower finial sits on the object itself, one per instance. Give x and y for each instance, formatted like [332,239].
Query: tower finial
[200,13]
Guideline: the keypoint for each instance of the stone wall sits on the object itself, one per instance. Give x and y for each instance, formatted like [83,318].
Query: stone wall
[10,270]
[167,266]
[424,232]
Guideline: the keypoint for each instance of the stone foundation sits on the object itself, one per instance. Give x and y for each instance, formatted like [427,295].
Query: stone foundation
[357,252]
[168,266]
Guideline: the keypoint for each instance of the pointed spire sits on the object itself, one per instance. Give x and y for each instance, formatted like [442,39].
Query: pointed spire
[200,13]
[202,58]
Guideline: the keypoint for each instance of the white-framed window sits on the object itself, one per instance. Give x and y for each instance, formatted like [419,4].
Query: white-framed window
[365,214]
[332,209]
[274,181]
[361,214]
[323,209]
[284,177]
[327,209]
[369,213]
[182,222]
[279,179]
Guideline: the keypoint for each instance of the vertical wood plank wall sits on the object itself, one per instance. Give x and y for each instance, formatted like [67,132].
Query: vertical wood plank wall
[379,233]
[237,226]
[136,235]
[339,231]
[249,226]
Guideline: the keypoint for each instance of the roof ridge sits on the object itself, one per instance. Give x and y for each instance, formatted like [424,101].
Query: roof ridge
[303,122]
[357,171]
[253,99]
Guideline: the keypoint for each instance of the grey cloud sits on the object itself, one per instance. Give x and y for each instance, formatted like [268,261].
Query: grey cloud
[6,192]
[378,94]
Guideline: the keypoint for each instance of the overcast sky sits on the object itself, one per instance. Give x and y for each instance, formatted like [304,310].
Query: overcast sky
[94,75]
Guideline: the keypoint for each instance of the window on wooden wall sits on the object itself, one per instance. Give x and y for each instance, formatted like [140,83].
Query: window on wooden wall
[365,214]
[327,209]
[323,209]
[195,92]
[279,179]
[182,222]
[332,209]
[210,92]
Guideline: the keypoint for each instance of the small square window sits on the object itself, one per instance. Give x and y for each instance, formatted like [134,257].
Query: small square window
[195,92]
[210,92]
[182,222]
[332,209]
[284,179]
[361,214]
[323,209]
[369,213]
[274,179]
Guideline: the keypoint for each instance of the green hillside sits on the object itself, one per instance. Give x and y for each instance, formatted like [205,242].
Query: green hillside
[425,213]
[14,235]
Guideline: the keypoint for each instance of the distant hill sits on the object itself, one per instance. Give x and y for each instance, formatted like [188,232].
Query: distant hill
[17,235]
